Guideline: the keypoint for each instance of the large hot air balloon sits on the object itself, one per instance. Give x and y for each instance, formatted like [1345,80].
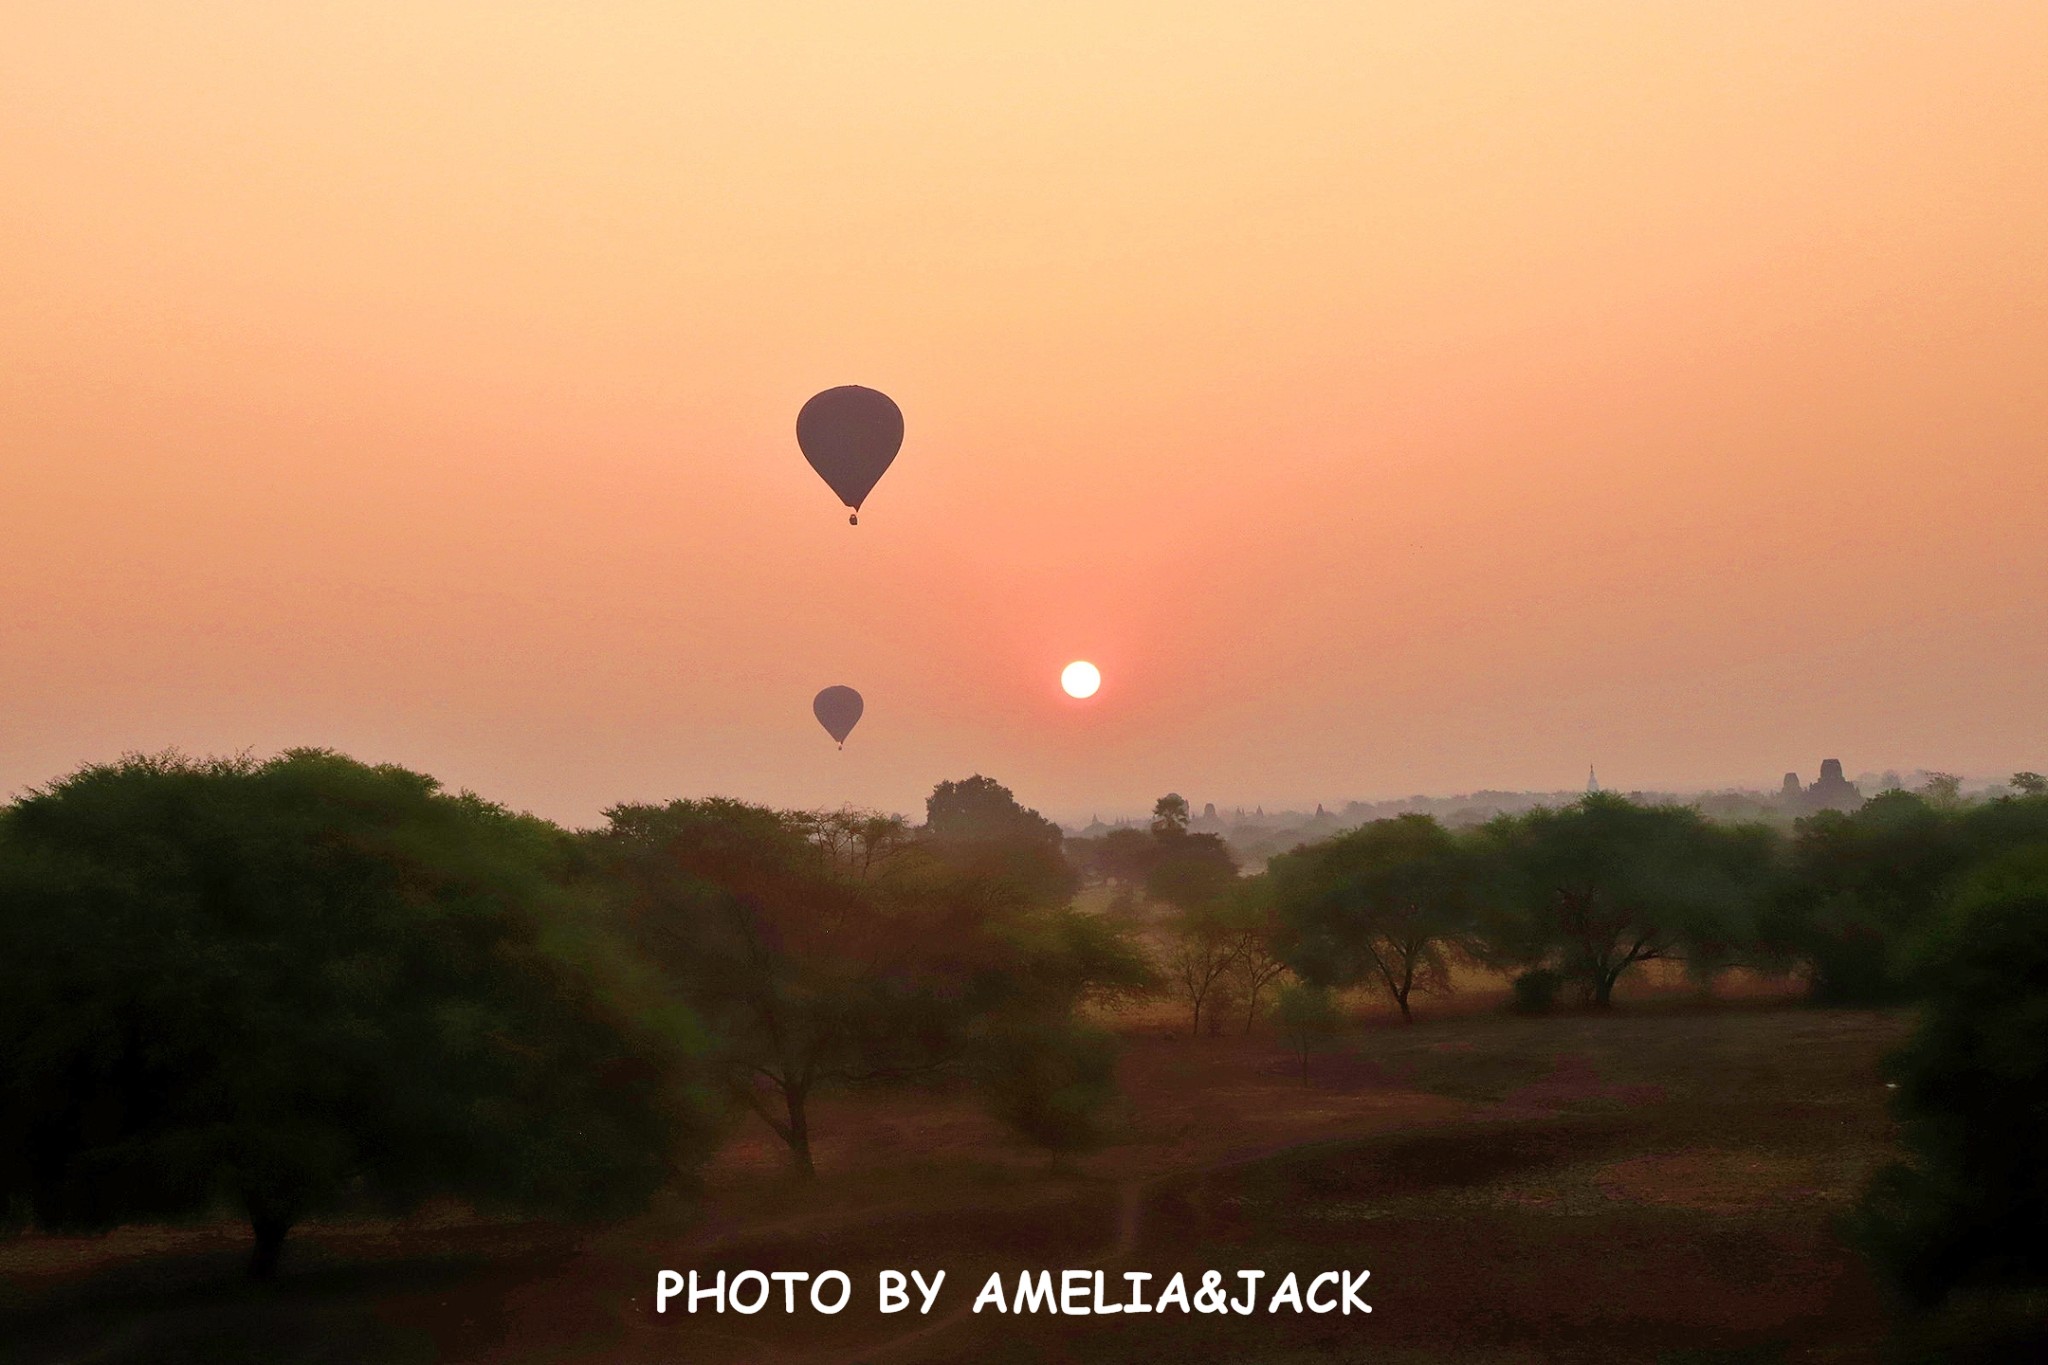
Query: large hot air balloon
[850,435]
[838,710]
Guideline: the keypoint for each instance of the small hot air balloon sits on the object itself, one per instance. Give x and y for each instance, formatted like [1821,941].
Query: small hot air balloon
[838,710]
[850,435]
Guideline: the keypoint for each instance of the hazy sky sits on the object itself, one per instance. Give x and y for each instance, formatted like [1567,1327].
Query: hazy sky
[1389,398]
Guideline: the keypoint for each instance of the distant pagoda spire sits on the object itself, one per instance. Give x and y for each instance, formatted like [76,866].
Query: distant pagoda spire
[1592,781]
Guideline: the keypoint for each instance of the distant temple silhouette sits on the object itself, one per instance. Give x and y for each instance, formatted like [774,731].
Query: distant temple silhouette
[1832,792]
[1592,782]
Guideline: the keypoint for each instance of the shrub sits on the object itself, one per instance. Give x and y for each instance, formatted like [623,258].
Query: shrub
[1535,992]
[1968,1209]
[1052,1082]
[1308,1015]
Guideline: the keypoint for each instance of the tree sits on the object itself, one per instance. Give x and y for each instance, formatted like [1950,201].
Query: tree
[1050,1080]
[1603,884]
[857,843]
[1861,887]
[1968,1209]
[1196,876]
[808,975]
[1188,870]
[2030,784]
[833,951]
[1127,856]
[1174,866]
[1170,815]
[1205,945]
[1992,830]
[1059,960]
[1942,790]
[308,984]
[977,826]
[1308,1015]
[1386,902]
[982,809]
[1042,1071]
[1259,962]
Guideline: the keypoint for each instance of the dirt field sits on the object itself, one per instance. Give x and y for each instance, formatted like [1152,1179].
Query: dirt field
[1656,1185]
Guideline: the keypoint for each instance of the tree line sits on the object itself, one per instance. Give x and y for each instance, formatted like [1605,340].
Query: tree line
[1566,900]
[1912,898]
[313,986]
[310,986]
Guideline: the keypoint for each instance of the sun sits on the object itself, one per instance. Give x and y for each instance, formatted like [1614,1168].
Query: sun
[1080,678]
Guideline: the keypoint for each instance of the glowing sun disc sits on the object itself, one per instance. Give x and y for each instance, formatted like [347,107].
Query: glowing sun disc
[1080,678]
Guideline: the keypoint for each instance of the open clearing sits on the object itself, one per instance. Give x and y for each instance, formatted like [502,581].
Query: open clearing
[1658,1184]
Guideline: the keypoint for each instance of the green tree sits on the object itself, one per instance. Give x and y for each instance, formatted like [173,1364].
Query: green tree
[1604,883]
[1992,830]
[981,808]
[1170,815]
[1208,936]
[1051,1080]
[1205,943]
[1260,961]
[307,985]
[1126,856]
[1188,871]
[807,976]
[856,843]
[1387,902]
[1968,1209]
[1865,888]
[836,951]
[1308,1017]
[1862,886]
[1942,790]
[1040,1069]
[2030,784]
[978,827]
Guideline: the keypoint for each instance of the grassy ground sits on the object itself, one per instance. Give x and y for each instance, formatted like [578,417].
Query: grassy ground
[1647,1187]
[1655,1185]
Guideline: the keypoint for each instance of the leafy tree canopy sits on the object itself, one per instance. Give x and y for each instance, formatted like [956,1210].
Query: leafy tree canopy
[1170,815]
[1866,886]
[300,985]
[1387,902]
[839,950]
[981,808]
[977,826]
[1969,1207]
[1605,883]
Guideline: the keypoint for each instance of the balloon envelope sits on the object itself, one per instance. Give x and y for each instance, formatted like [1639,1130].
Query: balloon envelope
[850,435]
[838,710]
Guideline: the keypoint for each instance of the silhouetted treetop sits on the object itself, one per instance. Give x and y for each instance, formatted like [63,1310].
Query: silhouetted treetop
[981,808]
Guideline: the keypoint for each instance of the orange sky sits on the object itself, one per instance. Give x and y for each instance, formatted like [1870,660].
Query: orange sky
[1390,398]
